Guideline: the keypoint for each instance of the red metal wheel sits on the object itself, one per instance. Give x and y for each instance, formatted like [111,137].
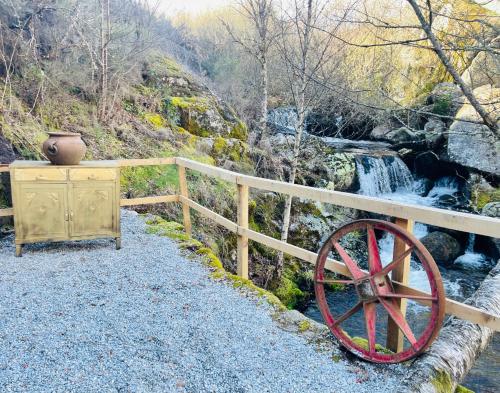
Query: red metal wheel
[374,287]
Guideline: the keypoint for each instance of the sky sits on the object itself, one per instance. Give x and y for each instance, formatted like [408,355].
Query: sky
[172,7]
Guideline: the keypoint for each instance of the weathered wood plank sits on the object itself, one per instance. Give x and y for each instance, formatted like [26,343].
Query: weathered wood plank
[228,224]
[242,241]
[183,188]
[209,170]
[459,221]
[6,212]
[146,162]
[401,273]
[149,200]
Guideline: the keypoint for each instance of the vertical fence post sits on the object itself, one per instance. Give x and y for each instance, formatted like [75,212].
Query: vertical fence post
[184,192]
[402,274]
[242,268]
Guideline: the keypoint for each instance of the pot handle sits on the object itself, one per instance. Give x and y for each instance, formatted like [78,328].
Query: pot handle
[52,149]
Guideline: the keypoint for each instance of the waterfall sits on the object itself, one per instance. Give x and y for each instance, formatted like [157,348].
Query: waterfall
[283,119]
[470,243]
[382,175]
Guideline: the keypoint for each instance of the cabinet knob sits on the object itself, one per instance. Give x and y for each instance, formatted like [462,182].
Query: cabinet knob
[92,177]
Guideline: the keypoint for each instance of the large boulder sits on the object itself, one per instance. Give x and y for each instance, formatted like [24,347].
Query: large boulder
[379,132]
[341,171]
[444,248]
[400,135]
[395,135]
[474,145]
[483,70]
[491,209]
[435,133]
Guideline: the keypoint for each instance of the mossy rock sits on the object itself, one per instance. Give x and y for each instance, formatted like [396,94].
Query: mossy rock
[155,120]
[239,131]
[363,343]
[485,197]
[304,326]
[289,293]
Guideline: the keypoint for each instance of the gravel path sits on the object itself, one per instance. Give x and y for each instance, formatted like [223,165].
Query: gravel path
[83,317]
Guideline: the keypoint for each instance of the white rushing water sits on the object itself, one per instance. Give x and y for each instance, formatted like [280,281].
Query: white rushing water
[383,175]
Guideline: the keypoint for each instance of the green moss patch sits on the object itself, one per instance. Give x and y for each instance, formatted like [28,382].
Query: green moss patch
[289,293]
[304,326]
[463,389]
[442,382]
[363,343]
[155,120]
[239,131]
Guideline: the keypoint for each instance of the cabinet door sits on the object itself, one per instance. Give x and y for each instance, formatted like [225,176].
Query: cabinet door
[42,212]
[92,209]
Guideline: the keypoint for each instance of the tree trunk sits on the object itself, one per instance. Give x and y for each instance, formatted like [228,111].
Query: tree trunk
[452,355]
[438,49]
[262,123]
[105,37]
[299,129]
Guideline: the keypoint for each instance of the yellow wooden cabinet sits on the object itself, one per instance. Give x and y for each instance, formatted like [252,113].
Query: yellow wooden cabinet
[57,203]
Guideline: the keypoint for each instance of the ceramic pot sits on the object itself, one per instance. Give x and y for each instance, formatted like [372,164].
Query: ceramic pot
[64,148]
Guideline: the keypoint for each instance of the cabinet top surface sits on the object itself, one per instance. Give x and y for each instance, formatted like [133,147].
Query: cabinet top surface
[47,164]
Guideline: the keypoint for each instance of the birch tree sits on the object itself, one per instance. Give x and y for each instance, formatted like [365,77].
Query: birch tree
[259,13]
[312,53]
[105,30]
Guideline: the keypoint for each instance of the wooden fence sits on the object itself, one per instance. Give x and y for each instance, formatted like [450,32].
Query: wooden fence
[405,215]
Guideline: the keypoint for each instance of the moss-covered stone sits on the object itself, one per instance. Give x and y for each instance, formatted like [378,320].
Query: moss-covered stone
[155,120]
[463,389]
[239,131]
[336,358]
[219,147]
[304,326]
[363,343]
[199,104]
[487,196]
[289,293]
[442,382]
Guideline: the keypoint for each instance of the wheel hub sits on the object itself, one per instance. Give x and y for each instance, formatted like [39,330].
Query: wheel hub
[365,291]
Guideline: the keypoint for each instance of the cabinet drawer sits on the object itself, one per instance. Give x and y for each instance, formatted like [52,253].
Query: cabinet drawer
[92,174]
[45,174]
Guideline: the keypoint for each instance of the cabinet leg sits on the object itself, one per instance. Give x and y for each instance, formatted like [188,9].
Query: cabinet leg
[118,243]
[19,250]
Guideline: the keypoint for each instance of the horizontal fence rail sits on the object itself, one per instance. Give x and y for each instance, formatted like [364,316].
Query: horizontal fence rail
[465,222]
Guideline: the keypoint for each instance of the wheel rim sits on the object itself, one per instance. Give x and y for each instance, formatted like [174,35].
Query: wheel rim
[375,287]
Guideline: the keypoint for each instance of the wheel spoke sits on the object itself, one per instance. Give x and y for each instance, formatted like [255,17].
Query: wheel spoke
[374,262]
[326,281]
[356,272]
[388,268]
[396,315]
[404,296]
[370,322]
[348,314]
